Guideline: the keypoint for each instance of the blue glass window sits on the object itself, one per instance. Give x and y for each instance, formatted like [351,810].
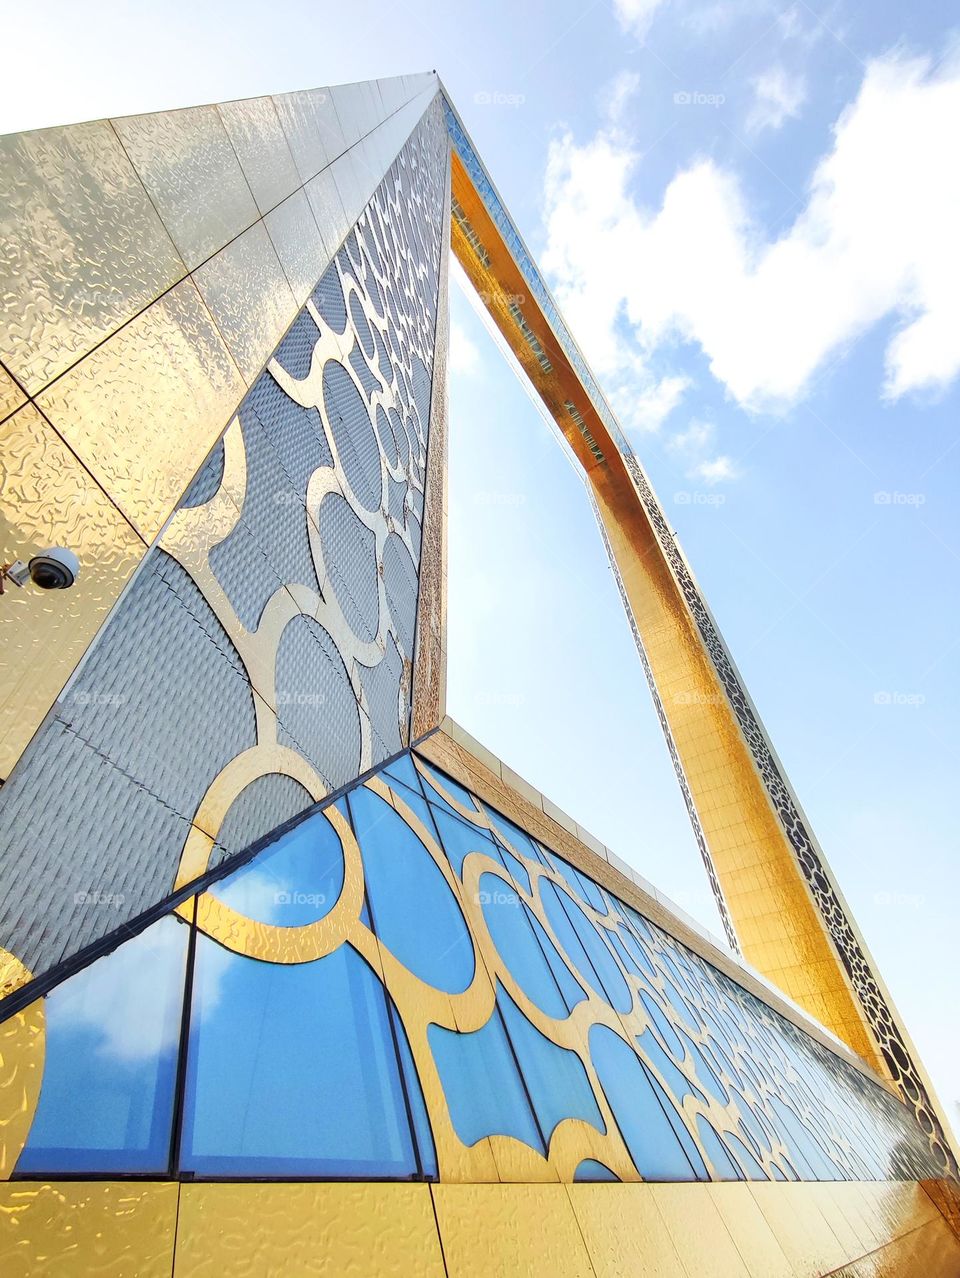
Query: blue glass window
[511,834]
[674,1077]
[515,868]
[723,1165]
[418,1108]
[637,952]
[112,1040]
[509,923]
[481,1083]
[414,911]
[296,880]
[648,1134]
[403,770]
[447,785]
[584,887]
[292,1070]
[590,1169]
[555,1077]
[460,839]
[659,1018]
[583,944]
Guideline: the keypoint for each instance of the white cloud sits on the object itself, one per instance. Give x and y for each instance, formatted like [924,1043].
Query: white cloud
[618,94]
[777,97]
[714,470]
[464,355]
[875,239]
[693,445]
[636,15]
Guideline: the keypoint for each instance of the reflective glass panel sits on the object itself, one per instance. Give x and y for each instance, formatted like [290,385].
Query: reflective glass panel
[460,839]
[403,770]
[509,923]
[414,911]
[294,881]
[482,1085]
[447,786]
[653,1144]
[292,1070]
[583,945]
[555,1077]
[111,1045]
[590,1169]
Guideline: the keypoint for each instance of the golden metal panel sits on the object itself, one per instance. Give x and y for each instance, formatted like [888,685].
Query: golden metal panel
[429,667]
[702,1240]
[11,396]
[748,1227]
[327,206]
[932,1251]
[143,410]
[101,1229]
[249,297]
[300,247]
[84,249]
[251,1231]
[21,1066]
[254,129]
[500,1231]
[625,1233]
[49,499]
[187,164]
[800,1228]
[312,129]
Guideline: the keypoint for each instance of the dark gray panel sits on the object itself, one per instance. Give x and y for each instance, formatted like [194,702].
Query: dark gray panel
[207,479]
[354,435]
[350,556]
[329,301]
[400,586]
[381,687]
[316,706]
[270,545]
[259,808]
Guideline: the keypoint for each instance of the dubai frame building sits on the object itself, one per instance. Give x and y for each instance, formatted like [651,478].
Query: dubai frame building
[296,977]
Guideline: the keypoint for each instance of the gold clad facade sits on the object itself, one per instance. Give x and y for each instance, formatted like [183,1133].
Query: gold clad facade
[223,384]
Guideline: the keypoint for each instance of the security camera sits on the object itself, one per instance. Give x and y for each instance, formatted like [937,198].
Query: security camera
[53,569]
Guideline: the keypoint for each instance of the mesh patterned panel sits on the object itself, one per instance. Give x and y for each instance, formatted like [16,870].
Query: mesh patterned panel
[316,705]
[349,554]
[230,605]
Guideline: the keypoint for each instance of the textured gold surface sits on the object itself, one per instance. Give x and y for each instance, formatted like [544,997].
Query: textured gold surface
[21,1066]
[430,664]
[343,1231]
[83,247]
[494,1231]
[312,128]
[702,1240]
[777,922]
[801,1229]
[248,296]
[49,499]
[624,1231]
[11,396]
[362,1229]
[142,411]
[191,171]
[253,127]
[299,244]
[747,1226]
[103,1229]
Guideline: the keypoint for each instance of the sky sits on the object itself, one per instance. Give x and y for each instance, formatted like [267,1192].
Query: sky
[747,210]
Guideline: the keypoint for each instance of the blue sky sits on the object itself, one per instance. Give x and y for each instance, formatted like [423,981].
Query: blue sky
[748,211]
